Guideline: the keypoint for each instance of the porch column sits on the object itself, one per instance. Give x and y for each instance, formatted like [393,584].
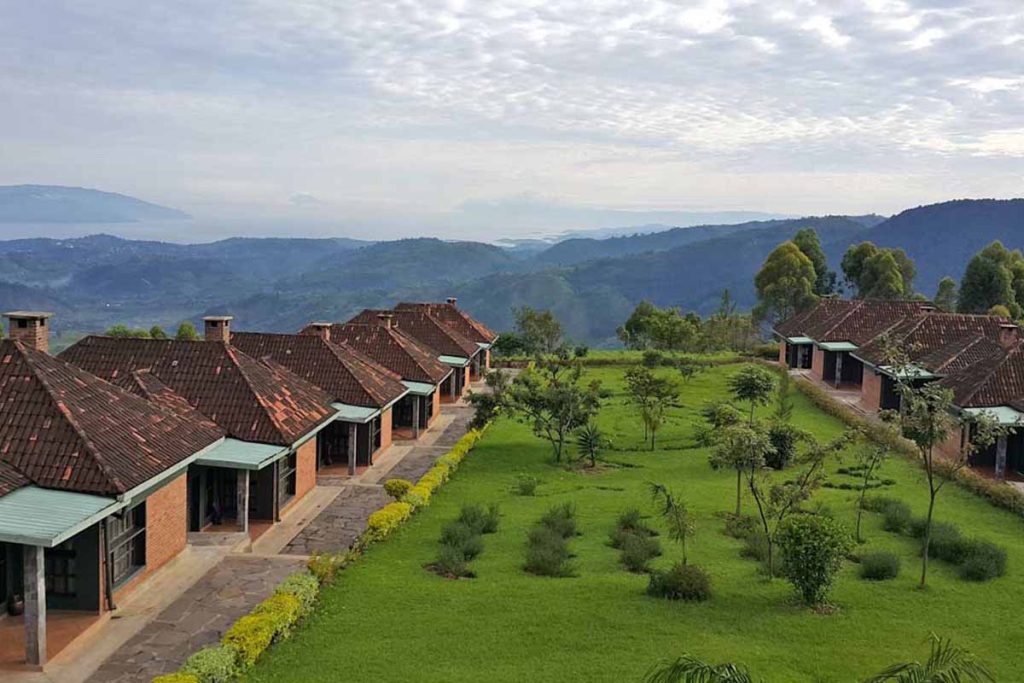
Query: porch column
[415,417]
[1001,457]
[242,500]
[35,605]
[455,382]
[352,429]
[839,368]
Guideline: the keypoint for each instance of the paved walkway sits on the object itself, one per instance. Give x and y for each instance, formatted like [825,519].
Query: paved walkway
[196,619]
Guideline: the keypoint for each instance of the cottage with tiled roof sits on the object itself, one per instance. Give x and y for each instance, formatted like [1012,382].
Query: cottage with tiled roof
[273,419]
[93,481]
[462,323]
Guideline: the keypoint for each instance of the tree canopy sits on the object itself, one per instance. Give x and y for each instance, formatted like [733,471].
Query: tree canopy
[874,272]
[785,283]
[539,331]
[665,329]
[946,295]
[994,277]
[187,332]
[824,279]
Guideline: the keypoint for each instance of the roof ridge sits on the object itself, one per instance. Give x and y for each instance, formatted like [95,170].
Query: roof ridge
[97,458]
[231,353]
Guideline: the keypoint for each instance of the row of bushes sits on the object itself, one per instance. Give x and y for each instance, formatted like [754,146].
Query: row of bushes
[975,559]
[272,620]
[547,545]
[636,542]
[462,540]
[1000,494]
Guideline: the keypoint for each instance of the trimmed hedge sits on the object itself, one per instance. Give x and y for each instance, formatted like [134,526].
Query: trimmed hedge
[304,587]
[216,664]
[397,488]
[176,677]
[250,636]
[383,522]
[284,610]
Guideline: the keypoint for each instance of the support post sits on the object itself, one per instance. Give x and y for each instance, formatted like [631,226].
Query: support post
[352,429]
[35,605]
[416,417]
[839,368]
[455,382]
[242,501]
[1001,458]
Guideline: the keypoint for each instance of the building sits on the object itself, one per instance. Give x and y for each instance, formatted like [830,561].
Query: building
[462,323]
[273,420]
[364,393]
[93,488]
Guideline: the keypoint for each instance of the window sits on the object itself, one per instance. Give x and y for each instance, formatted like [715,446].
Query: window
[60,570]
[286,479]
[126,543]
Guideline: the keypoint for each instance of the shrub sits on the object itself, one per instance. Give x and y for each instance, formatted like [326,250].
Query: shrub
[741,526]
[879,503]
[984,561]
[304,586]
[632,520]
[784,438]
[284,610]
[451,562]
[755,546]
[215,664]
[681,582]
[250,636]
[652,358]
[767,351]
[896,517]
[384,521]
[464,538]
[814,547]
[561,519]
[483,521]
[879,566]
[397,488]
[324,566]
[417,496]
[526,485]
[638,550]
[177,677]
[939,529]
[547,553]
[946,543]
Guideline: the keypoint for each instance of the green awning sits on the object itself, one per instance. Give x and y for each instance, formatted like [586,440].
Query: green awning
[46,517]
[483,345]
[1004,415]
[799,340]
[351,413]
[838,346]
[908,372]
[242,455]
[419,388]
[454,361]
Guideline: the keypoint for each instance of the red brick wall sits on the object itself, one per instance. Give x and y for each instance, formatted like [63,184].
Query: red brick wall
[385,429]
[871,390]
[782,353]
[466,380]
[435,398]
[487,359]
[305,469]
[818,363]
[950,448]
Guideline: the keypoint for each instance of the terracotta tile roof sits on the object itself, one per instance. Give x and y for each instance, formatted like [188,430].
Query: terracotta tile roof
[11,479]
[392,349]
[993,381]
[825,309]
[456,318]
[936,341]
[248,399]
[959,355]
[63,428]
[348,376]
[863,322]
[426,329]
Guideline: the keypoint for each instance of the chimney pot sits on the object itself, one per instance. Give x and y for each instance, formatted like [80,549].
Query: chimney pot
[323,330]
[452,301]
[386,319]
[217,328]
[30,328]
[1009,335]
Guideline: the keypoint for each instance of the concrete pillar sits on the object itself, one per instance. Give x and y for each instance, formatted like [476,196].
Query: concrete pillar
[455,382]
[1001,457]
[242,501]
[35,605]
[416,417]
[839,368]
[352,429]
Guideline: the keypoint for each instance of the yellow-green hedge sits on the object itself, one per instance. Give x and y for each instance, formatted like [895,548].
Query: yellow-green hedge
[284,610]
[384,521]
[176,678]
[251,636]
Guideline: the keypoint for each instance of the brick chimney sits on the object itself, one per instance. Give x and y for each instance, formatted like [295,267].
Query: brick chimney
[217,328]
[30,328]
[1009,335]
[928,308]
[386,318]
[452,301]
[323,330]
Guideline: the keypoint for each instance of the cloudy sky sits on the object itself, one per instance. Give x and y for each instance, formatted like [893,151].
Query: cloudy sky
[462,117]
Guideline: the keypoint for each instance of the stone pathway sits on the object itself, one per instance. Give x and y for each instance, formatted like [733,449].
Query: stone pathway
[196,619]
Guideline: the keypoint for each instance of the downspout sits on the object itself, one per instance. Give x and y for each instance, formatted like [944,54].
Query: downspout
[107,579]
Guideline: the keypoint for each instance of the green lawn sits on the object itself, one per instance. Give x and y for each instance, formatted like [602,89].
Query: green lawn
[387,619]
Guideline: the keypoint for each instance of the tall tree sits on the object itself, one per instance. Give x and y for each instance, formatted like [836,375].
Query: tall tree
[946,295]
[666,329]
[123,331]
[540,330]
[785,283]
[808,243]
[876,273]
[753,384]
[992,278]
[157,332]
[652,395]
[742,448]
[187,332]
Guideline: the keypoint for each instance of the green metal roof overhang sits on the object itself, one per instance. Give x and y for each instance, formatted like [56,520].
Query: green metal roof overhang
[484,345]
[419,388]
[242,455]
[46,517]
[908,372]
[837,346]
[357,414]
[454,361]
[799,340]
[1004,415]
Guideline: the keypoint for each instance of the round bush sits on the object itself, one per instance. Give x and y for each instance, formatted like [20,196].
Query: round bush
[983,561]
[896,517]
[451,562]
[463,537]
[547,553]
[481,520]
[637,551]
[879,566]
[561,519]
[682,582]
[397,488]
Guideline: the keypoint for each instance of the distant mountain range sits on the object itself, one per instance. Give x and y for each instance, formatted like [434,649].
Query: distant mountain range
[592,284]
[58,204]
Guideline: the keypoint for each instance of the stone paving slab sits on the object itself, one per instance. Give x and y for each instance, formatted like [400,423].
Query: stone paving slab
[196,619]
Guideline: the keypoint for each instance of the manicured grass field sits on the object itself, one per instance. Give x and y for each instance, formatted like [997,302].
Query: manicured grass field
[387,619]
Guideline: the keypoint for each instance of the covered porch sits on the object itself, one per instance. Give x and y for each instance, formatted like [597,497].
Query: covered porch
[1003,460]
[412,412]
[841,368]
[798,352]
[347,445]
[455,384]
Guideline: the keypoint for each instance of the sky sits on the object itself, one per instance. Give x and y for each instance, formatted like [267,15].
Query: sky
[470,118]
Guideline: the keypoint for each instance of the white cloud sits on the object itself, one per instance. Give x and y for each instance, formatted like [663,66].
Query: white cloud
[826,30]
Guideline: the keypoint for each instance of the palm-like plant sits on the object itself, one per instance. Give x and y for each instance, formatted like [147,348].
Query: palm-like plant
[947,663]
[689,669]
[591,441]
[675,513]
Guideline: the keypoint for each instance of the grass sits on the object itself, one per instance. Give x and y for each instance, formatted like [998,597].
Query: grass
[387,619]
